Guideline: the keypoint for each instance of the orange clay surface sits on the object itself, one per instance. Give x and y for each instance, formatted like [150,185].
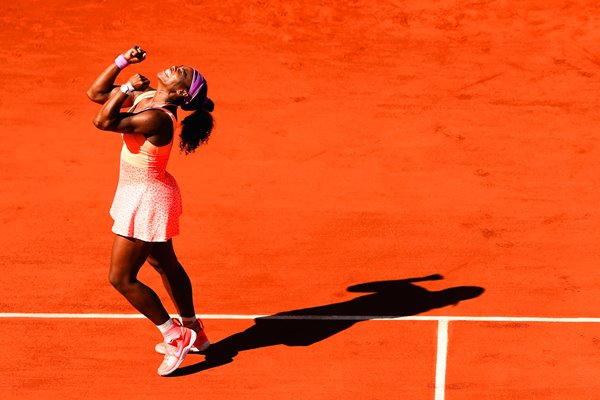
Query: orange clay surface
[355,142]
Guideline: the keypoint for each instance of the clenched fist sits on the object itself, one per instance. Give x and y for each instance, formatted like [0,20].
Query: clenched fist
[139,82]
[135,55]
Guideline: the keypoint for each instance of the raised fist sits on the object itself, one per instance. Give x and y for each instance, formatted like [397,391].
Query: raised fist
[135,55]
[139,82]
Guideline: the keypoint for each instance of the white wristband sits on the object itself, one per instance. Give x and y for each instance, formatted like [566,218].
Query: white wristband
[127,88]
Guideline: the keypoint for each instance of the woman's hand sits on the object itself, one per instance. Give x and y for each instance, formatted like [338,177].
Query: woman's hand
[139,82]
[135,55]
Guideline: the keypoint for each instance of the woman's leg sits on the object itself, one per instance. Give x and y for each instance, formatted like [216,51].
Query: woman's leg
[176,281]
[128,256]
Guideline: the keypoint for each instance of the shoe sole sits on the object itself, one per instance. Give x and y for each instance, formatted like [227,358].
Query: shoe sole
[183,354]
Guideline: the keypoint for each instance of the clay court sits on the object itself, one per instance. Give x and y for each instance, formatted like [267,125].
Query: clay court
[399,200]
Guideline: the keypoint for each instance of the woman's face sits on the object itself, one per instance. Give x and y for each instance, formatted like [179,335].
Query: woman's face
[178,77]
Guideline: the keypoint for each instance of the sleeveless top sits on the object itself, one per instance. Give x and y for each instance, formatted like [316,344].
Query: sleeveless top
[147,202]
[138,151]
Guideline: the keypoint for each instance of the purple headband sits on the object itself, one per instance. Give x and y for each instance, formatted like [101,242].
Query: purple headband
[197,83]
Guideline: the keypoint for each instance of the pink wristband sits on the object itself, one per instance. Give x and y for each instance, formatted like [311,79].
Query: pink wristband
[121,61]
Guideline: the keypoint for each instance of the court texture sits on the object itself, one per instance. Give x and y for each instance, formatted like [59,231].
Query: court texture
[399,200]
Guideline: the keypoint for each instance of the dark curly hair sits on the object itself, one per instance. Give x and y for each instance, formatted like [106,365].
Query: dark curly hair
[196,127]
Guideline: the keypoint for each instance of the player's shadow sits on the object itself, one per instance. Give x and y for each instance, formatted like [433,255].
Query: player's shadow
[394,298]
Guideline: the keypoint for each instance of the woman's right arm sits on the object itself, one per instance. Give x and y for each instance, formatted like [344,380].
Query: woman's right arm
[104,85]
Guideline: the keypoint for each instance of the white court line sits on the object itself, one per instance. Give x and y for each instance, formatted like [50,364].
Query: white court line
[313,317]
[442,332]
[440,361]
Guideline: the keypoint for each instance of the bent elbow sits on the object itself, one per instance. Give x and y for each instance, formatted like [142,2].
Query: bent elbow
[97,123]
[91,95]
[95,96]
[101,124]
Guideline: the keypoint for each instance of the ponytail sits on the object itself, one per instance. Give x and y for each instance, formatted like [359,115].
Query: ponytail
[196,127]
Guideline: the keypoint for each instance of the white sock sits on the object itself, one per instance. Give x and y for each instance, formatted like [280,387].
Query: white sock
[189,321]
[164,328]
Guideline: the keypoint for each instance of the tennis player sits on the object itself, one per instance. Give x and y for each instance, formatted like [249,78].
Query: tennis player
[147,202]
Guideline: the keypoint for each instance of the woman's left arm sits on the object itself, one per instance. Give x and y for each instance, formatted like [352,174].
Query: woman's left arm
[103,87]
[110,117]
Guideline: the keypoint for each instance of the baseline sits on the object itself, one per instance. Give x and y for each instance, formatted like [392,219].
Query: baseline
[315,317]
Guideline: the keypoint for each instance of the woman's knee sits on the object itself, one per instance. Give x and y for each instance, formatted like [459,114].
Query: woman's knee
[119,281]
[116,282]
[128,256]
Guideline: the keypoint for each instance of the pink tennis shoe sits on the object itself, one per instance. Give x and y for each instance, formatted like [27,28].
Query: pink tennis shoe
[198,346]
[177,344]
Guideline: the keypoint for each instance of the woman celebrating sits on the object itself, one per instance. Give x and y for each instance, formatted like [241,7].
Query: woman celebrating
[147,202]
